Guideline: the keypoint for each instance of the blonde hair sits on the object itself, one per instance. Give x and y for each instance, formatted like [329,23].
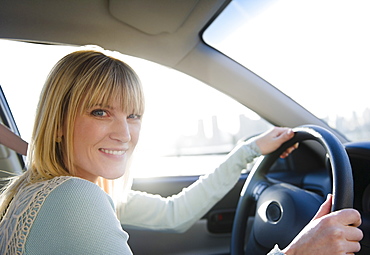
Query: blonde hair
[78,81]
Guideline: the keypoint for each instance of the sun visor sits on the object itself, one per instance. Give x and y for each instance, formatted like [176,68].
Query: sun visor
[162,16]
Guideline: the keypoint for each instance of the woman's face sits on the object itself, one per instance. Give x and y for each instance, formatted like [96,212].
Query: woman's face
[104,139]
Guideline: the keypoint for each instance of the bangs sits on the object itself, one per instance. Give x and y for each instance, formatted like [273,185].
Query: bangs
[116,82]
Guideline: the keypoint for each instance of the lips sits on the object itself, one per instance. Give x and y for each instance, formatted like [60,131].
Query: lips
[113,152]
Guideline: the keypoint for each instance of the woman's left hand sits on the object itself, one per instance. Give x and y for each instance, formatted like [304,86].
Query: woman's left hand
[273,139]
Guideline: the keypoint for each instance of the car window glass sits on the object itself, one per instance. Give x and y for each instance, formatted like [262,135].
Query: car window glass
[187,128]
[315,51]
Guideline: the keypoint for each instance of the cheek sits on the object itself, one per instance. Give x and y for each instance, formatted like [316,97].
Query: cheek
[85,128]
[135,133]
[85,133]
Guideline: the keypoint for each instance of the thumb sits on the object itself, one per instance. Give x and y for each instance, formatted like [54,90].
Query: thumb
[285,135]
[280,134]
[325,208]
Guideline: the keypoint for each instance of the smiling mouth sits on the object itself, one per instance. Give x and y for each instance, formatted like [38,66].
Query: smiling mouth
[113,152]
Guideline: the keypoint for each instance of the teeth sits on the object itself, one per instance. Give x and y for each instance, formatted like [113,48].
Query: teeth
[118,153]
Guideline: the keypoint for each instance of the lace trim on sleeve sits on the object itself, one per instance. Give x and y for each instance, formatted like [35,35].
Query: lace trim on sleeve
[22,211]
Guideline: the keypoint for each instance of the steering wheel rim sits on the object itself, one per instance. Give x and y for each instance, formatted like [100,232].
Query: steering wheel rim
[256,183]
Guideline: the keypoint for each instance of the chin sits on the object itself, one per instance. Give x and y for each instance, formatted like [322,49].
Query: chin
[113,176]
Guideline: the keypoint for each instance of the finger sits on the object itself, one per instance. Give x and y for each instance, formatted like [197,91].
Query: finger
[272,139]
[291,149]
[352,247]
[353,234]
[280,132]
[325,208]
[283,138]
[349,217]
[284,155]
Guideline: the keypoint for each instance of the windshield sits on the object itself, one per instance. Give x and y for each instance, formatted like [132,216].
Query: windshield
[317,52]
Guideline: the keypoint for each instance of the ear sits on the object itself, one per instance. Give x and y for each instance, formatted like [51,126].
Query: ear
[60,132]
[59,135]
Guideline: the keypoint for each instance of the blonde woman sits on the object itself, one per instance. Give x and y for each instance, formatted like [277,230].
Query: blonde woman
[87,125]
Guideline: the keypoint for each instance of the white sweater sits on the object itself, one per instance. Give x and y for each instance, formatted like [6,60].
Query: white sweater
[179,212]
[58,212]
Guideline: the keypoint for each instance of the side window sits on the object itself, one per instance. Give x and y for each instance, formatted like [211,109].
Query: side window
[188,127]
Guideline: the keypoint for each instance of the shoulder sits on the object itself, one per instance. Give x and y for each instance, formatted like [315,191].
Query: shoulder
[77,190]
[65,191]
[77,212]
[75,183]
[77,200]
[71,197]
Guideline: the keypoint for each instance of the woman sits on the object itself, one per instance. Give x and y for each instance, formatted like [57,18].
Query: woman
[87,125]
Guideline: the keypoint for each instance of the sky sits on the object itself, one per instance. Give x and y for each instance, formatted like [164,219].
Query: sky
[316,51]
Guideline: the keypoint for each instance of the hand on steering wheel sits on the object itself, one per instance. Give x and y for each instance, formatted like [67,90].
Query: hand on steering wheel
[282,210]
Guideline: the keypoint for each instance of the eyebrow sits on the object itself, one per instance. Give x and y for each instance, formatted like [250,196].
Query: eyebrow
[103,106]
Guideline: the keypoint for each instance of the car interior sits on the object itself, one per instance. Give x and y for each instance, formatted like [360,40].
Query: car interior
[274,197]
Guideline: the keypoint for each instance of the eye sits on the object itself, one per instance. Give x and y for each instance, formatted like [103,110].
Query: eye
[134,116]
[99,113]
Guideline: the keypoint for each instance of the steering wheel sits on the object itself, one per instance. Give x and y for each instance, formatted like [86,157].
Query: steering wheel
[281,209]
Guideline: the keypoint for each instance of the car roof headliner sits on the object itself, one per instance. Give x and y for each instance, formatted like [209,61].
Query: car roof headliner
[169,26]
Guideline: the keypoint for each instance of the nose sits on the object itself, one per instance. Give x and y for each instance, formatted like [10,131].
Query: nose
[121,130]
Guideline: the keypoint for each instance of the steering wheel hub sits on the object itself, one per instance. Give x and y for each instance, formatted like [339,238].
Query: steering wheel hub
[276,213]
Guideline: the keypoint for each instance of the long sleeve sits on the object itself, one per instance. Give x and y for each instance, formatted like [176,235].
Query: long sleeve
[179,212]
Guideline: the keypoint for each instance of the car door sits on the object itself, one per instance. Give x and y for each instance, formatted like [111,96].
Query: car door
[210,235]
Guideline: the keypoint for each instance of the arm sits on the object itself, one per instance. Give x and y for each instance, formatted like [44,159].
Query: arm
[12,141]
[77,218]
[181,211]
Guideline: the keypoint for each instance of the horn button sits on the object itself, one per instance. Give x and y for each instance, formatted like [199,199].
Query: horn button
[273,212]
[277,207]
